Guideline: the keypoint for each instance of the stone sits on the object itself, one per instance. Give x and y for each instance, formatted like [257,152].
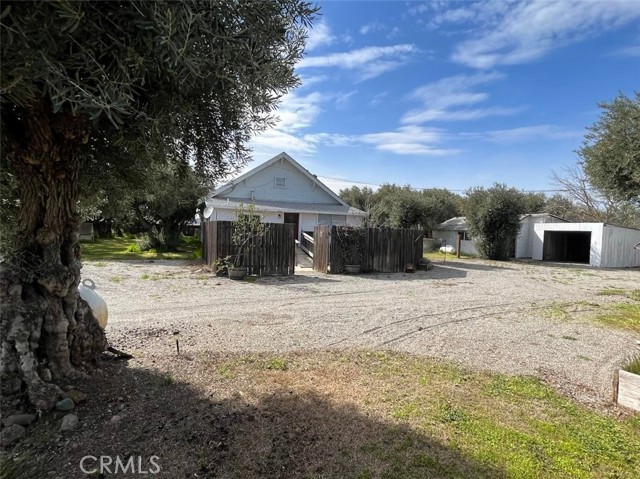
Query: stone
[45,375]
[22,419]
[66,404]
[76,396]
[11,434]
[69,422]
[115,419]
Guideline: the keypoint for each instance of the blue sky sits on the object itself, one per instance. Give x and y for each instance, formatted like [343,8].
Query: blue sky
[454,94]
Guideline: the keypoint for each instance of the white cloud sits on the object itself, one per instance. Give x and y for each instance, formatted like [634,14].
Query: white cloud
[524,31]
[632,51]
[319,35]
[368,62]
[524,134]
[443,100]
[371,28]
[409,140]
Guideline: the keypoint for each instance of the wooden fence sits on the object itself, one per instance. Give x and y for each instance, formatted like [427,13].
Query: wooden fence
[273,254]
[386,250]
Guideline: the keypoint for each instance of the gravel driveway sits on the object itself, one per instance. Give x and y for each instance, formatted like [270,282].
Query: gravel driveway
[483,314]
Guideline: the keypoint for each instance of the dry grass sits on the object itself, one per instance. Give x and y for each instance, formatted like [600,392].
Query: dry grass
[348,414]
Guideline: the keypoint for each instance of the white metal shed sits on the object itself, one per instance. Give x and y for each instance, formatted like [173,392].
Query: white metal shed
[596,244]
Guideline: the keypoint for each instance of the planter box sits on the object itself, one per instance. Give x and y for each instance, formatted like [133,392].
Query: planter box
[626,389]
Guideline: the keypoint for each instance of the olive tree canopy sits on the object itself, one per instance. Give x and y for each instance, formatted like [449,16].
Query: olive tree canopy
[119,81]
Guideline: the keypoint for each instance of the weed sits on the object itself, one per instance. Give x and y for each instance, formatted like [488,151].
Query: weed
[166,379]
[623,316]
[116,279]
[144,276]
[101,264]
[557,311]
[277,364]
[584,358]
[570,338]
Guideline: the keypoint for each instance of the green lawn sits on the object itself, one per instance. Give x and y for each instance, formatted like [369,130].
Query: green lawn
[441,421]
[120,248]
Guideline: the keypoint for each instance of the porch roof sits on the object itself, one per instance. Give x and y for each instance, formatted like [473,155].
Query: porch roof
[285,206]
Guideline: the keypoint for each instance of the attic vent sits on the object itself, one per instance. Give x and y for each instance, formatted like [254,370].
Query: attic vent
[280,183]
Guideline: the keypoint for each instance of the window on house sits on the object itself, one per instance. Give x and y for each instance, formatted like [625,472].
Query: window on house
[338,220]
[466,236]
[280,183]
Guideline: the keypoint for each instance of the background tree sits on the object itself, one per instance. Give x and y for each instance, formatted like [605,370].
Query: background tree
[144,81]
[493,216]
[611,149]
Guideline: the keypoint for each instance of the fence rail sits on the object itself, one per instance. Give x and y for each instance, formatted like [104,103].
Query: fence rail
[307,243]
[272,254]
[386,250]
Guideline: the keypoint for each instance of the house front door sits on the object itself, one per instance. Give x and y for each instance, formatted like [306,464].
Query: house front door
[293,218]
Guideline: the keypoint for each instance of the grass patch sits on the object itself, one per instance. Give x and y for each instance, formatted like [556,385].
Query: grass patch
[557,311]
[438,256]
[431,419]
[633,365]
[117,279]
[622,316]
[126,248]
[277,364]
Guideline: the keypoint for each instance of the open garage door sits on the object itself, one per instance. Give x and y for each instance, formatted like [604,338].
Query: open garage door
[570,246]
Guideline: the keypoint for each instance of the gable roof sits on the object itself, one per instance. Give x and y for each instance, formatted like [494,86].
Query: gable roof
[266,164]
[459,223]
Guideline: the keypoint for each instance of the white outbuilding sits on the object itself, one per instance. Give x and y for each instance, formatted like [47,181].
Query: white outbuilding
[596,244]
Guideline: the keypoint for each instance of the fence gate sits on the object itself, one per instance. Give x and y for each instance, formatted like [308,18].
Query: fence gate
[322,239]
[273,254]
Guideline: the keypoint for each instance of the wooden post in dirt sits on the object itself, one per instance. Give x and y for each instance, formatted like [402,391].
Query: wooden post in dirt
[458,243]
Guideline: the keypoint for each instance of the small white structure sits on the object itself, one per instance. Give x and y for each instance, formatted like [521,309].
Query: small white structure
[283,192]
[447,233]
[596,244]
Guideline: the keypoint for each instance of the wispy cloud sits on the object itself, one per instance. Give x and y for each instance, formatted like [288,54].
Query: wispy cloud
[450,99]
[524,134]
[522,31]
[631,51]
[319,35]
[368,62]
[409,140]
[371,28]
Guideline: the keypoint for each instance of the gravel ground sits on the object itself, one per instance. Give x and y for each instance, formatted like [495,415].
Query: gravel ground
[483,314]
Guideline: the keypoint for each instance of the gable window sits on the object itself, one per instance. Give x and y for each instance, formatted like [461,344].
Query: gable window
[280,183]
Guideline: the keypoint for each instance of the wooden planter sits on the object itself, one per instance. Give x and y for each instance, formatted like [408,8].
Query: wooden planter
[626,389]
[352,268]
[237,272]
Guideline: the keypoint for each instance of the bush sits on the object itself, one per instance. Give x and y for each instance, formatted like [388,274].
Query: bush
[134,248]
[493,216]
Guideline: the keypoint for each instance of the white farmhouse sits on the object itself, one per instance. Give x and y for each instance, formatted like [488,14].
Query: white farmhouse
[283,192]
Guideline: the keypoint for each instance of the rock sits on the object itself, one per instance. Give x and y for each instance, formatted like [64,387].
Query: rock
[76,396]
[69,422]
[66,404]
[45,375]
[21,419]
[11,434]
[115,419]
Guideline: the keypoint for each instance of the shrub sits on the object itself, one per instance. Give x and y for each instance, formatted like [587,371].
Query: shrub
[493,216]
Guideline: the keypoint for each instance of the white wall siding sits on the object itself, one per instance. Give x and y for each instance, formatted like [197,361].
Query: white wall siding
[527,235]
[618,247]
[468,247]
[308,221]
[261,186]
[223,214]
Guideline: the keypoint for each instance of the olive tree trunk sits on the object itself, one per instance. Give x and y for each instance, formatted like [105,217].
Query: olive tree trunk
[43,322]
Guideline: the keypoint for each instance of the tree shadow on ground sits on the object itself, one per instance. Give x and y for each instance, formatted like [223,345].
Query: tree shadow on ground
[206,434]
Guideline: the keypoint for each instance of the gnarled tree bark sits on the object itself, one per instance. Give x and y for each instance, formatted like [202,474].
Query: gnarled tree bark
[44,323]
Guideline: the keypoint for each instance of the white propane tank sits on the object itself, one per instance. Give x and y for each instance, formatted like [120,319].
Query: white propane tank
[447,249]
[97,304]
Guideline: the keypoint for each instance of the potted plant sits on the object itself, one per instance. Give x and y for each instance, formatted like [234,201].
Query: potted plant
[247,228]
[352,248]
